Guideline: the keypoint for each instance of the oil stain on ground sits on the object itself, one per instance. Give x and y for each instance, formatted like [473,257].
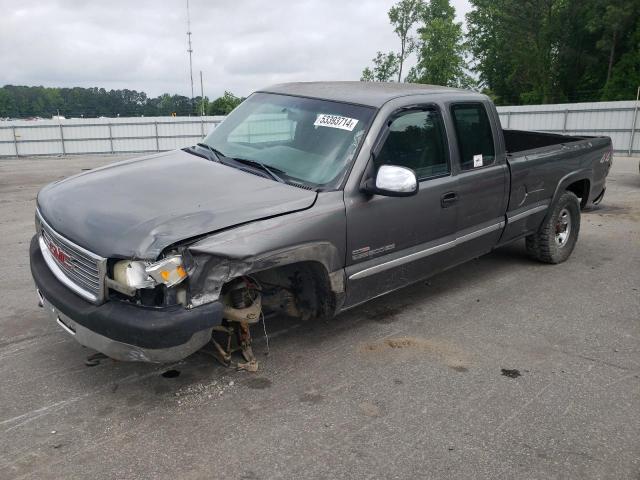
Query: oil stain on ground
[510,373]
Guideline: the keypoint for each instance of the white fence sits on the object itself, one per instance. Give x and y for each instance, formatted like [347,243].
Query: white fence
[102,135]
[618,120]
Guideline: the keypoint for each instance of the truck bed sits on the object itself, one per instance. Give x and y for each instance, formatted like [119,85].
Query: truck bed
[522,140]
[540,164]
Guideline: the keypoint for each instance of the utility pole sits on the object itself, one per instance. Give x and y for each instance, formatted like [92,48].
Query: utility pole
[190,50]
[201,93]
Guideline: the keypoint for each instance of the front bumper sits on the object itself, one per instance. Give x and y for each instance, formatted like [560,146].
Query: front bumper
[120,330]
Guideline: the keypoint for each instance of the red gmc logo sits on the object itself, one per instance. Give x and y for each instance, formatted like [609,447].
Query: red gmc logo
[59,255]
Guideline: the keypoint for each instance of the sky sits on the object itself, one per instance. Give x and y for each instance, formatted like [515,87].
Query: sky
[240,45]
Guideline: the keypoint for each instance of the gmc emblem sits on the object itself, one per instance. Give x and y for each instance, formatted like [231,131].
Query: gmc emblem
[59,255]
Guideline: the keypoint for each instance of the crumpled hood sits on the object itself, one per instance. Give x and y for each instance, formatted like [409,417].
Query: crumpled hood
[136,208]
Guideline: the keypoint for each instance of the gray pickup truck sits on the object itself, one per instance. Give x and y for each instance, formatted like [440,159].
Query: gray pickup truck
[309,199]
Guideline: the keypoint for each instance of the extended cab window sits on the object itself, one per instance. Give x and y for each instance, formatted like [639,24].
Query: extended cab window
[475,139]
[416,140]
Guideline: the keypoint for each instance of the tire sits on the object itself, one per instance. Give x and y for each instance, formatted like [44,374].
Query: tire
[557,236]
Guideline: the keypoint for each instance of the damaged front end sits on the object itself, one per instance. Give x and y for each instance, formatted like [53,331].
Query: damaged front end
[286,283]
[243,274]
[163,265]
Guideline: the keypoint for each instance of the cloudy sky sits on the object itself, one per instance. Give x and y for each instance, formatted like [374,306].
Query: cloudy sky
[240,45]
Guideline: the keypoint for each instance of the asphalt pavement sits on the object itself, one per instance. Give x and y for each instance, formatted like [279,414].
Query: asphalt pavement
[502,368]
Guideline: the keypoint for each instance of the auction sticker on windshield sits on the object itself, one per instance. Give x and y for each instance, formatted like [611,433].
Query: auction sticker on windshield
[336,121]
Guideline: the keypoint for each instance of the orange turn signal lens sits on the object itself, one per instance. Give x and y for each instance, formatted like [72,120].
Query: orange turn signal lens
[169,270]
[181,271]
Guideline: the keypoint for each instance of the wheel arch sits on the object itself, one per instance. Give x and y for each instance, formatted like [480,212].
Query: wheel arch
[577,182]
[582,189]
[320,260]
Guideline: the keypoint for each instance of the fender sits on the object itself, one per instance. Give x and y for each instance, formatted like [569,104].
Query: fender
[251,248]
[568,179]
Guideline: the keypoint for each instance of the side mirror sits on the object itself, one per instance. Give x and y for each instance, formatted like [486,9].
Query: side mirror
[393,181]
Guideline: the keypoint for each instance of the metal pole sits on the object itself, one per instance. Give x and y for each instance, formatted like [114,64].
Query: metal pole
[202,106]
[157,139]
[110,138]
[508,119]
[201,93]
[190,50]
[64,152]
[564,123]
[15,140]
[633,125]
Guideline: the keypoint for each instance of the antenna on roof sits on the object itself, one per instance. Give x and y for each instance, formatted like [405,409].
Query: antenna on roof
[190,50]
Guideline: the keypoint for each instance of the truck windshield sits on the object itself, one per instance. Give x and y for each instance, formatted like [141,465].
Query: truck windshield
[308,141]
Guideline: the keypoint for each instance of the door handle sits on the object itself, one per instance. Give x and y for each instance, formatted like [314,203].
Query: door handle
[448,199]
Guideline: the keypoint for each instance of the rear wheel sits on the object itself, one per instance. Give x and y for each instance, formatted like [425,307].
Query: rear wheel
[556,238]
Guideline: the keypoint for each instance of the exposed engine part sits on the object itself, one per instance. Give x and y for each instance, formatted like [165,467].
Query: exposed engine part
[242,302]
[120,287]
[283,300]
[298,291]
[242,307]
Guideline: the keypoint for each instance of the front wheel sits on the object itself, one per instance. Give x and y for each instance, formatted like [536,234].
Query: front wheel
[557,236]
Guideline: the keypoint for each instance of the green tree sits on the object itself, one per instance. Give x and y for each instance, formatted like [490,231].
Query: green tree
[403,16]
[440,48]
[202,105]
[544,51]
[486,37]
[18,101]
[624,78]
[225,104]
[385,67]
[612,19]
[519,49]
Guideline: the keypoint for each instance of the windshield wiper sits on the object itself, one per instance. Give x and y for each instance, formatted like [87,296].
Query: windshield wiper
[222,158]
[270,170]
[218,154]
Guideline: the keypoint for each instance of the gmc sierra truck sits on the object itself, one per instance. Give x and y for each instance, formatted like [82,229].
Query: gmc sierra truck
[308,199]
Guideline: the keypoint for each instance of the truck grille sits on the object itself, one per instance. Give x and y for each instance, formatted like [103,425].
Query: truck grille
[79,269]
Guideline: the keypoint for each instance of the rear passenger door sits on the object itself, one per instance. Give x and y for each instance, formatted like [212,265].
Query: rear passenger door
[482,179]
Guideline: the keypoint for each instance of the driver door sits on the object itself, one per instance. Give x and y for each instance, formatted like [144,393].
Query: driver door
[395,241]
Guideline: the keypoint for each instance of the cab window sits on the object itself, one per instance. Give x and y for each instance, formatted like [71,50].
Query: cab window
[416,140]
[475,138]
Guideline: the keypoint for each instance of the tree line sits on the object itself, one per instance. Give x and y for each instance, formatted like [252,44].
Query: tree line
[518,51]
[24,102]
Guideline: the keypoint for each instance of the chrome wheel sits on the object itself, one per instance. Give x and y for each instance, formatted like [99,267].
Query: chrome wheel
[563,227]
